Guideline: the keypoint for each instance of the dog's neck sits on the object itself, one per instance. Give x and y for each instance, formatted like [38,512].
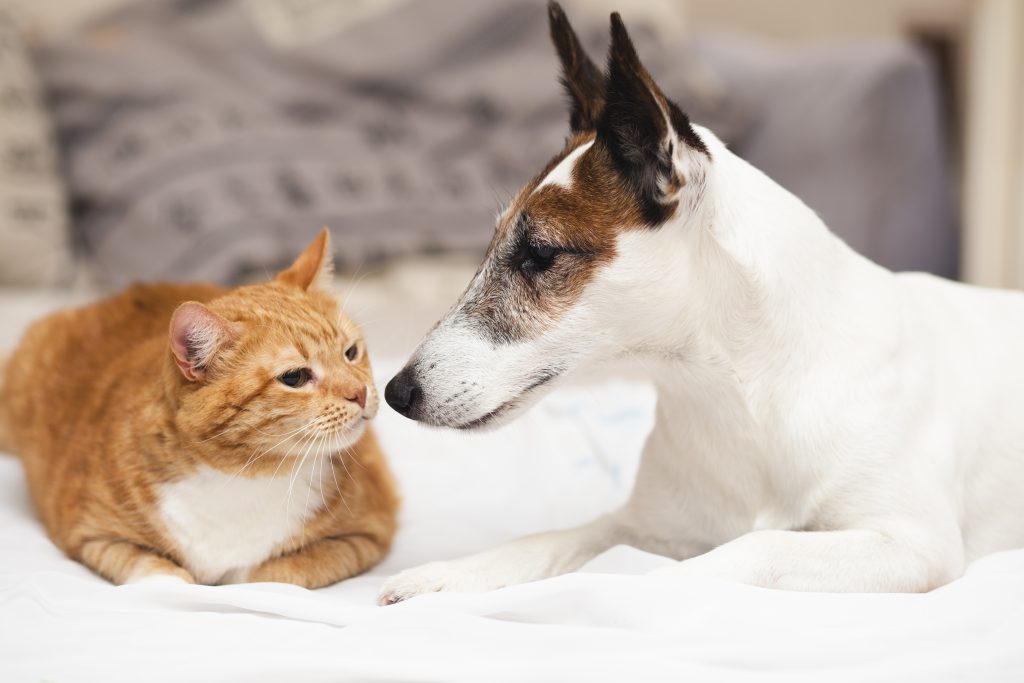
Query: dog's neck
[771,286]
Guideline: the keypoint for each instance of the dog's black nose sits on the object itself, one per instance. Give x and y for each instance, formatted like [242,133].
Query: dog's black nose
[403,392]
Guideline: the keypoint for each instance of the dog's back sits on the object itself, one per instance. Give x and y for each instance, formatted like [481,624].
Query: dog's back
[972,372]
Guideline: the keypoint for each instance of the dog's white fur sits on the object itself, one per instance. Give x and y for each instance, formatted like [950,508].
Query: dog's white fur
[822,423]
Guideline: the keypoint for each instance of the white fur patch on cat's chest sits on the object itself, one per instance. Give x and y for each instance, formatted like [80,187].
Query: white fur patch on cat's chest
[223,522]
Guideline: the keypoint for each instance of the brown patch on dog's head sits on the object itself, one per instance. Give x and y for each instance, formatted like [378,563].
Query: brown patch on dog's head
[548,244]
[553,237]
[631,163]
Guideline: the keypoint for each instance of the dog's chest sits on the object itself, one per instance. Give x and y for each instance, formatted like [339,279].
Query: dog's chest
[222,522]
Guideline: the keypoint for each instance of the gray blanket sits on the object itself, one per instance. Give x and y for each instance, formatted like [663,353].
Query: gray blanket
[197,148]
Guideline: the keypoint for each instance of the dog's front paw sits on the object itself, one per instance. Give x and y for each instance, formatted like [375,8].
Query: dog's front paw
[428,578]
[435,577]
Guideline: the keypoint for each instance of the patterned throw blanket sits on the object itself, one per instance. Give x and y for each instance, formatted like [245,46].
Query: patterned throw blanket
[206,139]
[34,247]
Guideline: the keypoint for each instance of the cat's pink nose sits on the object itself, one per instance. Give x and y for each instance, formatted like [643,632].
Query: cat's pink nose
[359,396]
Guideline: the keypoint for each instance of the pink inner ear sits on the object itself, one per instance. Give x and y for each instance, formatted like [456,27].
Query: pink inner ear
[196,333]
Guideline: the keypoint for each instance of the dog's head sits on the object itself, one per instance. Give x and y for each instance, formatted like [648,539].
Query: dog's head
[577,266]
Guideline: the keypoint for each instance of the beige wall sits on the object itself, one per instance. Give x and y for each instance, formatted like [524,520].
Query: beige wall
[988,83]
[817,20]
[49,16]
[994,159]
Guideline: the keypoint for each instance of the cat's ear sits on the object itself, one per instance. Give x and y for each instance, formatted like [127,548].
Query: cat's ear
[314,266]
[197,333]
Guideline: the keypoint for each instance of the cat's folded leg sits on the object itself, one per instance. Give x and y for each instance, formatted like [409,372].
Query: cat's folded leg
[319,564]
[122,561]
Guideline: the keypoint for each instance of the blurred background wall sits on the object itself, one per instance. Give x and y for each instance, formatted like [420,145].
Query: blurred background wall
[753,70]
[979,45]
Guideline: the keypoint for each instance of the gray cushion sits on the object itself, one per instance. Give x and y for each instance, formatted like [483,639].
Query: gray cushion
[196,148]
[858,132]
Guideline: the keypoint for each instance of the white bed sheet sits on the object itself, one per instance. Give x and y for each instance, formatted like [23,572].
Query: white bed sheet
[571,458]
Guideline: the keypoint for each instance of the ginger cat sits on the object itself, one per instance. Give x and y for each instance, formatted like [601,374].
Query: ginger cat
[220,440]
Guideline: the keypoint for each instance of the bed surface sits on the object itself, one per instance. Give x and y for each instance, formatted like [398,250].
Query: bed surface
[568,460]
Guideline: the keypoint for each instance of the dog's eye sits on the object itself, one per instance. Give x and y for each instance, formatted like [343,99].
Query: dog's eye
[539,257]
[295,378]
[352,352]
[542,252]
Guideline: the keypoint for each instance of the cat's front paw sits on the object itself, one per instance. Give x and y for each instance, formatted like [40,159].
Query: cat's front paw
[435,577]
[160,574]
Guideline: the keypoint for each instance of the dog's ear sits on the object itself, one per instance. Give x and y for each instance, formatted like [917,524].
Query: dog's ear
[643,129]
[582,80]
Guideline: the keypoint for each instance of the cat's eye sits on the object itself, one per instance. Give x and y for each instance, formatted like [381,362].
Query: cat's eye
[352,352]
[295,378]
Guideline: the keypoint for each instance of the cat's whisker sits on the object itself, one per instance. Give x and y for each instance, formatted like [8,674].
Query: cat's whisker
[328,462]
[356,315]
[354,287]
[368,323]
[219,434]
[288,454]
[253,457]
[342,457]
[347,472]
[316,463]
[298,429]
[297,461]
[318,470]
[323,458]
[252,460]
[272,434]
[348,294]
[351,451]
[238,423]
[297,468]
[337,484]
[340,493]
[249,461]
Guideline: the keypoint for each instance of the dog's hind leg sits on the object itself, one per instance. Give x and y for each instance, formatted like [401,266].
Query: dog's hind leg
[530,558]
[853,560]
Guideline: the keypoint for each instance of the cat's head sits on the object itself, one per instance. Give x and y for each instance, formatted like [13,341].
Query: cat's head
[272,370]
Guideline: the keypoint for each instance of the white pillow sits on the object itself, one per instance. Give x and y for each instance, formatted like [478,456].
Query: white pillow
[34,243]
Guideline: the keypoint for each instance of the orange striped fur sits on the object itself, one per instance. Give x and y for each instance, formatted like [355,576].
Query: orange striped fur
[108,410]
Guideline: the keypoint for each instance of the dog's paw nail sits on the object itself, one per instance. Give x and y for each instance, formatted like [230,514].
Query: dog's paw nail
[412,582]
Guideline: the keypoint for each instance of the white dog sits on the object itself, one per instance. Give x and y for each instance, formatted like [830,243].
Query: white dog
[822,423]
